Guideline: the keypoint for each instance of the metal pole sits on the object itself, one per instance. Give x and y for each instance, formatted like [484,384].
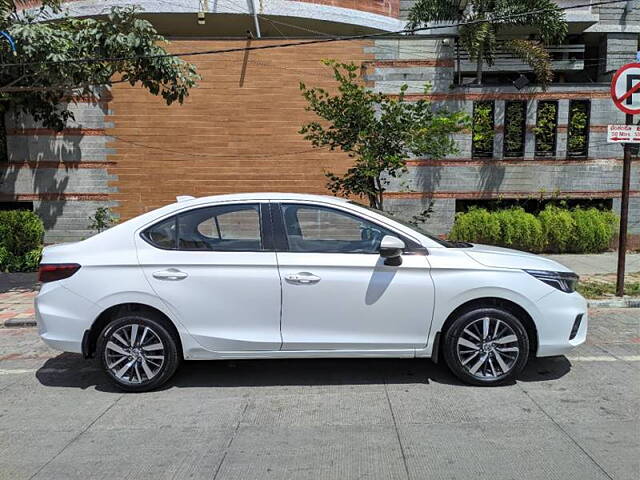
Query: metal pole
[256,22]
[624,213]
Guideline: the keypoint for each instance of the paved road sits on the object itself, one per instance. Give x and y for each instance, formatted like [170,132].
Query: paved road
[566,418]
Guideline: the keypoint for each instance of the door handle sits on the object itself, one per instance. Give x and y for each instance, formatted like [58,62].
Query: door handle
[302,278]
[170,274]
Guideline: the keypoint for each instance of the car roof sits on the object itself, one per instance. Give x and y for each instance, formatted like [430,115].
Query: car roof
[267,196]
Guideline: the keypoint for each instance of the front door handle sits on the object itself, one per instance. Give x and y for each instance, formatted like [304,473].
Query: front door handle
[302,278]
[170,274]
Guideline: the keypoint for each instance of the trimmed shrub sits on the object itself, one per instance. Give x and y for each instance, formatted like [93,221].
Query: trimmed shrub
[593,230]
[21,234]
[477,225]
[557,228]
[519,230]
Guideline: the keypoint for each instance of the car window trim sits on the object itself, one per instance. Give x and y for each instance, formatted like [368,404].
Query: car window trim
[265,225]
[282,242]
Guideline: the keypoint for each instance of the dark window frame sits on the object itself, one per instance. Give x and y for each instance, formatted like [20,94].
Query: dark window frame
[553,152]
[584,154]
[264,219]
[475,153]
[523,140]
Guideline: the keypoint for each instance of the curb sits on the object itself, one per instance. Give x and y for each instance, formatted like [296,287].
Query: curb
[615,303]
[20,322]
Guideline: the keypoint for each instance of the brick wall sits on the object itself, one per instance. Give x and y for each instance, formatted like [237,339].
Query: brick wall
[227,137]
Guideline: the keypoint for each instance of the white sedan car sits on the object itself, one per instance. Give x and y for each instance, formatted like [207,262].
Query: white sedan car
[298,276]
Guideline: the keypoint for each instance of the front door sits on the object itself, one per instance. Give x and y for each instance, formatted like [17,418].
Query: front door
[212,267]
[337,292]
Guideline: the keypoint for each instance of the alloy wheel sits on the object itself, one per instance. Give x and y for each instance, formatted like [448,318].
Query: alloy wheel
[134,353]
[488,348]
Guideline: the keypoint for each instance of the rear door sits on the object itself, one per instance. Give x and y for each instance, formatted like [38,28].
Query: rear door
[216,269]
[337,292]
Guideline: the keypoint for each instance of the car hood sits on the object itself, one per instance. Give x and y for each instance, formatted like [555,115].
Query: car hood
[499,257]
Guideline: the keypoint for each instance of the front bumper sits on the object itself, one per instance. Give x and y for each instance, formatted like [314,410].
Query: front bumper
[63,317]
[558,313]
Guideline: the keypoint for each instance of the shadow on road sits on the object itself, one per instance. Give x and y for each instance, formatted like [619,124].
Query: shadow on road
[71,370]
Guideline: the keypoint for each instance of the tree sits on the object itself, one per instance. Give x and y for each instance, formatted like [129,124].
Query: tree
[44,75]
[492,18]
[377,130]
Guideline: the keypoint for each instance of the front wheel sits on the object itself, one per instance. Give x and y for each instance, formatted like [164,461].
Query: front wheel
[137,352]
[487,346]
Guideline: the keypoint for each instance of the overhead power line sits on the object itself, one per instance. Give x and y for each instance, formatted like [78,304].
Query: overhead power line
[304,43]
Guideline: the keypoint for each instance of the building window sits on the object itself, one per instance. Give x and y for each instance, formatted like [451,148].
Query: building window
[515,124]
[546,128]
[578,128]
[483,129]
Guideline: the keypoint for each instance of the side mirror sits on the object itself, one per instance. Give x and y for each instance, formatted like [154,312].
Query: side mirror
[391,249]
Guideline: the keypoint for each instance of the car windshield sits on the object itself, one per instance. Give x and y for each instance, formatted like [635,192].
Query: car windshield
[418,229]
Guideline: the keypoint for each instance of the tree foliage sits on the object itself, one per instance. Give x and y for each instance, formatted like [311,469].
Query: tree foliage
[377,130]
[492,18]
[46,73]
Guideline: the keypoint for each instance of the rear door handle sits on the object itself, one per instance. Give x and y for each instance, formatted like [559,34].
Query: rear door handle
[302,278]
[170,274]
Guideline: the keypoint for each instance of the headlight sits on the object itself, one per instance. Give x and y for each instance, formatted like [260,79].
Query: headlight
[565,281]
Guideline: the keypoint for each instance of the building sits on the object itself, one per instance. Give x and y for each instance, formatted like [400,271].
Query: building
[238,130]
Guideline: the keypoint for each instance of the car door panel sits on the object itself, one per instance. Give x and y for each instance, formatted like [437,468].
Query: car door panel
[227,300]
[354,300]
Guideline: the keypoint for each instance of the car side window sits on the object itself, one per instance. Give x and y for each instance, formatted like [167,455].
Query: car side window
[220,228]
[162,234]
[312,228]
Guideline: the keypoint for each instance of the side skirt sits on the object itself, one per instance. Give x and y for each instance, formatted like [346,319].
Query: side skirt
[201,354]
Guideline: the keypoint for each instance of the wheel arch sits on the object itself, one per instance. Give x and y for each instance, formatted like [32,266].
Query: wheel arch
[492,302]
[102,320]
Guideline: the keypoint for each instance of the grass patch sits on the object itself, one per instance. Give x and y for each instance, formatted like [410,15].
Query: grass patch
[604,286]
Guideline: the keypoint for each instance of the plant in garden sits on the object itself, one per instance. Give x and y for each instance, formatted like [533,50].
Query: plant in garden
[21,234]
[378,131]
[593,230]
[491,18]
[514,128]
[483,129]
[48,77]
[101,219]
[545,129]
[577,131]
[520,230]
[476,225]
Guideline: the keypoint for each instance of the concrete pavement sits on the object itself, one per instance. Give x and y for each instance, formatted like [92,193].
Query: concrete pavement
[598,263]
[565,418]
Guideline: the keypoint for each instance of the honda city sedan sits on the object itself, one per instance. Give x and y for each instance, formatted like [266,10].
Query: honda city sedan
[273,275]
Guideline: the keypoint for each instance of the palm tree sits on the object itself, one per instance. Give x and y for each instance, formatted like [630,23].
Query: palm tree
[487,19]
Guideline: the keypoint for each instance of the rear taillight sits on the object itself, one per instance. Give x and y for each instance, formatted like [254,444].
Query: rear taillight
[50,272]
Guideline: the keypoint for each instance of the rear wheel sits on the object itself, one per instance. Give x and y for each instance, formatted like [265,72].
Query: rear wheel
[138,352]
[487,346]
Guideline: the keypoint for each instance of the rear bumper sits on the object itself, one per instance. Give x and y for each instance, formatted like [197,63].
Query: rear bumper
[63,317]
[558,313]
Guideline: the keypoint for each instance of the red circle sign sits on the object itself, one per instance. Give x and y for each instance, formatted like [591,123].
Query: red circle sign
[625,89]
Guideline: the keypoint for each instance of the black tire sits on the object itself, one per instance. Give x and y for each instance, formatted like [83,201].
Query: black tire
[469,328]
[135,379]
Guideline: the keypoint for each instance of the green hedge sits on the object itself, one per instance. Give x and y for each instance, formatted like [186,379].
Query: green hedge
[553,230]
[21,234]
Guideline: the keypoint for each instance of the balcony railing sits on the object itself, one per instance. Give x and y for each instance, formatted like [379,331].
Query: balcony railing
[564,57]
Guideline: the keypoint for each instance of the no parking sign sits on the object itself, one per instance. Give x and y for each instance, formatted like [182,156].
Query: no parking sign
[625,89]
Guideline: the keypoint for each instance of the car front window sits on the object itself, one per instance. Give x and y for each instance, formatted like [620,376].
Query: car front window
[418,229]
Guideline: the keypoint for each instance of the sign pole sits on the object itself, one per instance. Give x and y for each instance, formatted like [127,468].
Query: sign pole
[624,213]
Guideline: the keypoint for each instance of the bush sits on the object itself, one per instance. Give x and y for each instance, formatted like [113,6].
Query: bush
[21,234]
[520,230]
[558,228]
[555,229]
[593,230]
[477,225]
